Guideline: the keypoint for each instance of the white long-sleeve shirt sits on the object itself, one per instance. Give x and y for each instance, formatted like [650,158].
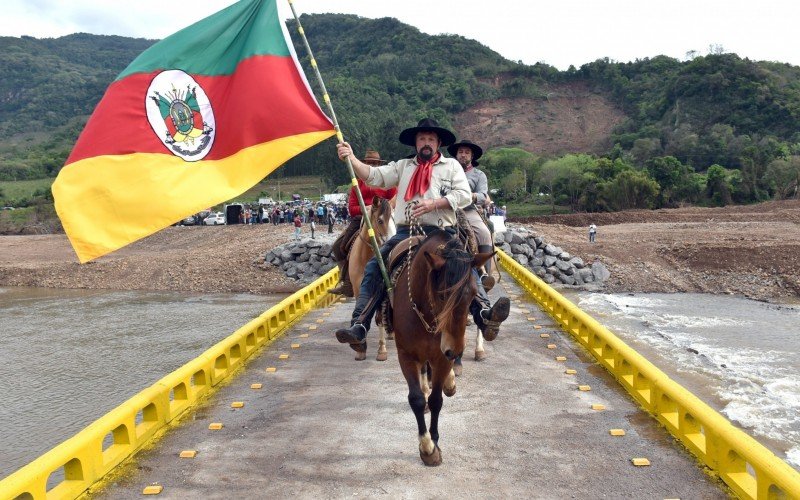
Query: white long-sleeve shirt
[447,181]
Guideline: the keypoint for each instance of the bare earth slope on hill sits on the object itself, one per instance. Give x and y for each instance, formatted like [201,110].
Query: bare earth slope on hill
[571,118]
[751,250]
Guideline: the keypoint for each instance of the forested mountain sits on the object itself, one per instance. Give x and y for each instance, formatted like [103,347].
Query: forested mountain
[716,127]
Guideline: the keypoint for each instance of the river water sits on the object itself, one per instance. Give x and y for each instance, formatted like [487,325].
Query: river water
[740,356]
[67,357]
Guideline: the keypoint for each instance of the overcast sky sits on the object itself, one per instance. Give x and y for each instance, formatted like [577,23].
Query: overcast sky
[558,32]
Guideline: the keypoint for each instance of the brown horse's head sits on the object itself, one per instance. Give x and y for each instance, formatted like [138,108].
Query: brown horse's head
[451,288]
[380,216]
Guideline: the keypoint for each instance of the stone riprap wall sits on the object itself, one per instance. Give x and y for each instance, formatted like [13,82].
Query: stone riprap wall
[304,260]
[547,261]
[308,259]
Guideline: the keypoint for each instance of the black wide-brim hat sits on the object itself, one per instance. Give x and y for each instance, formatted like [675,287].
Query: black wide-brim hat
[409,135]
[477,152]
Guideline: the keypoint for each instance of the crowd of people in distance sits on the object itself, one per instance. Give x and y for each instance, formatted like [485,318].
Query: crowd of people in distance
[319,213]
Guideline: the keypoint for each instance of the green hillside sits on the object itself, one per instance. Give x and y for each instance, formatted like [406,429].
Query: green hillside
[715,129]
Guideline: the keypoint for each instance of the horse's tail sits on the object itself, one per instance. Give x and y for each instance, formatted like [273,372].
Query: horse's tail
[457,272]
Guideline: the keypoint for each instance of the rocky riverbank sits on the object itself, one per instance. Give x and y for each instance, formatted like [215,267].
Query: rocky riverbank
[550,262]
[308,259]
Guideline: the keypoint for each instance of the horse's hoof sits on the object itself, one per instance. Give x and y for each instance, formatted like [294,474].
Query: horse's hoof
[361,356]
[433,459]
[382,356]
[480,355]
[457,369]
[449,392]
[390,336]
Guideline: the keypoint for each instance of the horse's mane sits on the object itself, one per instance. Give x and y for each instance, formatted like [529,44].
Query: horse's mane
[454,276]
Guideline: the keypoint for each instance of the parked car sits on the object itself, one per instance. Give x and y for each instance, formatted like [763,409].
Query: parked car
[189,221]
[214,219]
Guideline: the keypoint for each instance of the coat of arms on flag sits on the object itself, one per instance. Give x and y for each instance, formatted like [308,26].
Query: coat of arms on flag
[181,115]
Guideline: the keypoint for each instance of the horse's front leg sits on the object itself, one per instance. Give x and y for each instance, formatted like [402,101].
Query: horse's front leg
[416,399]
[443,379]
[480,354]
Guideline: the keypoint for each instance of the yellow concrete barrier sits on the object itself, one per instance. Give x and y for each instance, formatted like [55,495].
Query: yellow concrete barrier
[751,470]
[96,450]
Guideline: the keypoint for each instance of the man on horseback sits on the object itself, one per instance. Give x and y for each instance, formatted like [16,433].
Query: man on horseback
[434,187]
[467,154]
[342,245]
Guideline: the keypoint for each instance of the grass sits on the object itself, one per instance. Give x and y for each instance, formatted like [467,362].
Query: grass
[532,210]
[16,190]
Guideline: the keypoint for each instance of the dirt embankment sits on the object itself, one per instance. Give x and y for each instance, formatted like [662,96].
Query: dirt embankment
[749,250]
[197,259]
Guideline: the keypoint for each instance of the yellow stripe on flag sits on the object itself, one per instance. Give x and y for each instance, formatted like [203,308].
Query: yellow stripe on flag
[107,202]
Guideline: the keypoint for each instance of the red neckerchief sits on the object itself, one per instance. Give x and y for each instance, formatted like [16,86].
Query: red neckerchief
[421,178]
[468,168]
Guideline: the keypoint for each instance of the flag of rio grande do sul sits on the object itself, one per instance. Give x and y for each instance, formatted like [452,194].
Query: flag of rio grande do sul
[195,120]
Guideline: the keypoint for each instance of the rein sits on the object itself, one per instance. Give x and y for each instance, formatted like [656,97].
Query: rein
[416,230]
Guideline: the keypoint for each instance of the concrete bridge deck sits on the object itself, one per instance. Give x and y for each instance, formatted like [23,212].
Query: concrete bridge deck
[324,425]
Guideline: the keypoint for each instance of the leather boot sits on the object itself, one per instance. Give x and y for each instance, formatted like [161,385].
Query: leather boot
[356,336]
[367,302]
[487,280]
[344,287]
[486,316]
[492,318]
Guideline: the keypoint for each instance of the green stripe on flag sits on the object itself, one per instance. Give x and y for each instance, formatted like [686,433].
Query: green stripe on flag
[216,44]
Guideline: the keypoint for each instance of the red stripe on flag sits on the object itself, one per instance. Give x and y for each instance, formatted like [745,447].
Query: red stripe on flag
[265,99]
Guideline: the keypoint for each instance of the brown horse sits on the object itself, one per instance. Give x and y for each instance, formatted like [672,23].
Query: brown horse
[429,317]
[380,215]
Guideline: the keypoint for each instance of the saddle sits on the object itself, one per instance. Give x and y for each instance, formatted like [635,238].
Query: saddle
[348,245]
[397,261]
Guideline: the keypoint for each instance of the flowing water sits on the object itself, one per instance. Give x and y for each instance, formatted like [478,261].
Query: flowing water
[67,357]
[740,356]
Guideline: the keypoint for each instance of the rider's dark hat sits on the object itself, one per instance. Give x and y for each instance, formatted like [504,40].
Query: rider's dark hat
[477,152]
[409,135]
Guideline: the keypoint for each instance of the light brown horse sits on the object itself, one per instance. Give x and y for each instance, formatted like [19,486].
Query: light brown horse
[380,215]
[429,318]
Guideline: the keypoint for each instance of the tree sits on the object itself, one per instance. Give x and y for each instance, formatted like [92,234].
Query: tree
[671,176]
[500,162]
[783,177]
[630,189]
[513,184]
[547,177]
[644,149]
[566,177]
[721,184]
